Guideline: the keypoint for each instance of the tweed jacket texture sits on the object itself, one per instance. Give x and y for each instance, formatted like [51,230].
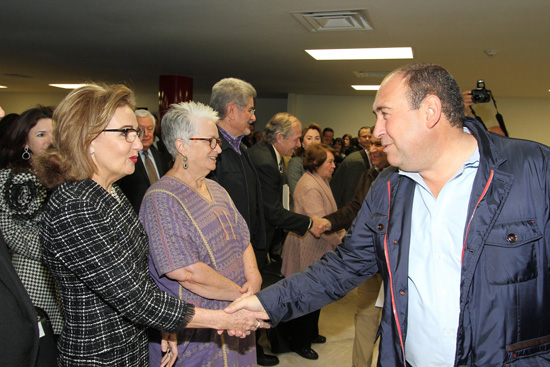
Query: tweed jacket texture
[97,251]
[22,201]
[505,277]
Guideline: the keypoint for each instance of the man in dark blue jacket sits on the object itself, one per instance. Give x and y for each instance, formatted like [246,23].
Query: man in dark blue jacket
[460,232]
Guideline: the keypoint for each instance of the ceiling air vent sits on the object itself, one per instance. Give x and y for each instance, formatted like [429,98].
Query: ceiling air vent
[338,20]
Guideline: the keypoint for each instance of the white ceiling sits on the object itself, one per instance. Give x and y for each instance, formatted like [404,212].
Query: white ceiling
[135,41]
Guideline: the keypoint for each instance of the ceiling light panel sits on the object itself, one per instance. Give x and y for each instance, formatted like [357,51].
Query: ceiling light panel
[365,87]
[385,53]
[67,86]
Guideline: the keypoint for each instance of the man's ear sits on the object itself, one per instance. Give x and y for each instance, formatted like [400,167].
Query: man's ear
[432,110]
[230,110]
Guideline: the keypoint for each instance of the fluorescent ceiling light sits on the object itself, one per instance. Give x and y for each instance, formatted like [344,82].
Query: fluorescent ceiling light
[67,86]
[3,86]
[365,87]
[362,53]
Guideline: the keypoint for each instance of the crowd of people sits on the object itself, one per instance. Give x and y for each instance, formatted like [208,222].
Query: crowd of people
[131,242]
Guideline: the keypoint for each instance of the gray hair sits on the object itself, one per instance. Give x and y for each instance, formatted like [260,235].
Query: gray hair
[230,90]
[145,113]
[179,122]
[280,123]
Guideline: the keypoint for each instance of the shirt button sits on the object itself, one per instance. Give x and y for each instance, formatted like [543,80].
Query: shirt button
[448,331]
[512,238]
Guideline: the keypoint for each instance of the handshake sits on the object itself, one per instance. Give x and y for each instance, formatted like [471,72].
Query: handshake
[319,226]
[240,318]
[244,315]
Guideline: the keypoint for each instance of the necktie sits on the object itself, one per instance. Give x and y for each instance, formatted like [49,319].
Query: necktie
[150,167]
[281,166]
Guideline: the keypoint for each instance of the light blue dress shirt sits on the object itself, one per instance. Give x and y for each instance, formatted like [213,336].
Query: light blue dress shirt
[437,235]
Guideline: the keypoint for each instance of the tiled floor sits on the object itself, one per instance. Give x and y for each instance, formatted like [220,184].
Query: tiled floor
[337,324]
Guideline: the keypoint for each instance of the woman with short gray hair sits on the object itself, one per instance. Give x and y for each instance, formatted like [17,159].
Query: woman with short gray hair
[199,244]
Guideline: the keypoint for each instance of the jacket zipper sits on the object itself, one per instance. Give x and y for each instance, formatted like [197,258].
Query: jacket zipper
[386,254]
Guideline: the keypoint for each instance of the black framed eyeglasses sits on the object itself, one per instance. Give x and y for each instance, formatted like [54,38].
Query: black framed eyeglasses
[130,134]
[213,141]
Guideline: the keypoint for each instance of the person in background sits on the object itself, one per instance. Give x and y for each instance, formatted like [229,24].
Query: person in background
[328,136]
[150,166]
[22,202]
[312,197]
[258,136]
[311,134]
[233,100]
[282,135]
[339,154]
[349,147]
[347,175]
[199,243]
[95,246]
[367,316]
[248,140]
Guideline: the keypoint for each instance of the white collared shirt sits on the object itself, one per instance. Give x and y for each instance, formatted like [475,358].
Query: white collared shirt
[437,235]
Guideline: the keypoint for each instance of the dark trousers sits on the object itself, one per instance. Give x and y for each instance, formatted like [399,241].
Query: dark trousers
[303,329]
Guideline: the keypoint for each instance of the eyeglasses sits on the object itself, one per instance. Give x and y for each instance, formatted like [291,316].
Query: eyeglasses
[213,141]
[252,110]
[129,134]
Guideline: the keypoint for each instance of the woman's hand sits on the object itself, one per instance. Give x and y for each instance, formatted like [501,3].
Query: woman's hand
[169,346]
[252,286]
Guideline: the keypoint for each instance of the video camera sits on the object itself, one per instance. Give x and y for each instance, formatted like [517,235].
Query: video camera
[480,94]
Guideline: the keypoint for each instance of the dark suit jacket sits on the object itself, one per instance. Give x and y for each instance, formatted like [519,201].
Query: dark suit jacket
[135,185]
[231,172]
[344,217]
[18,322]
[345,178]
[264,159]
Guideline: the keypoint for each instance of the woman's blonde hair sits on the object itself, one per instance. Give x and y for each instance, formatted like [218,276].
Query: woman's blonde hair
[78,120]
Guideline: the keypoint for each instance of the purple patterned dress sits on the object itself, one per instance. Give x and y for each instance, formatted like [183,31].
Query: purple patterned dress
[184,228]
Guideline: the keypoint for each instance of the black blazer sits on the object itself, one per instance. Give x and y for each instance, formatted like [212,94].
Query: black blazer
[231,173]
[264,159]
[135,185]
[18,322]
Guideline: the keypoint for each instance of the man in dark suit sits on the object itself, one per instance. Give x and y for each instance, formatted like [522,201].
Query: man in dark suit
[233,100]
[347,175]
[150,166]
[281,136]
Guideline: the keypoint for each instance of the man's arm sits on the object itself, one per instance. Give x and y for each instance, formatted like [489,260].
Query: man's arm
[275,214]
[343,218]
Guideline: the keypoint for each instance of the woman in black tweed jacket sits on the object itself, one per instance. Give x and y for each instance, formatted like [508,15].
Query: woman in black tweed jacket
[94,244]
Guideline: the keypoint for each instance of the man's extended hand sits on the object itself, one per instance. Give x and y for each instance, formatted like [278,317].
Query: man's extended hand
[319,226]
[248,304]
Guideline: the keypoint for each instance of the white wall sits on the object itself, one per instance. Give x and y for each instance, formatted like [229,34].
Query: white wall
[524,117]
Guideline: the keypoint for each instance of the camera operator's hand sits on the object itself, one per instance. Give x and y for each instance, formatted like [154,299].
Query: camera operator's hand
[468,101]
